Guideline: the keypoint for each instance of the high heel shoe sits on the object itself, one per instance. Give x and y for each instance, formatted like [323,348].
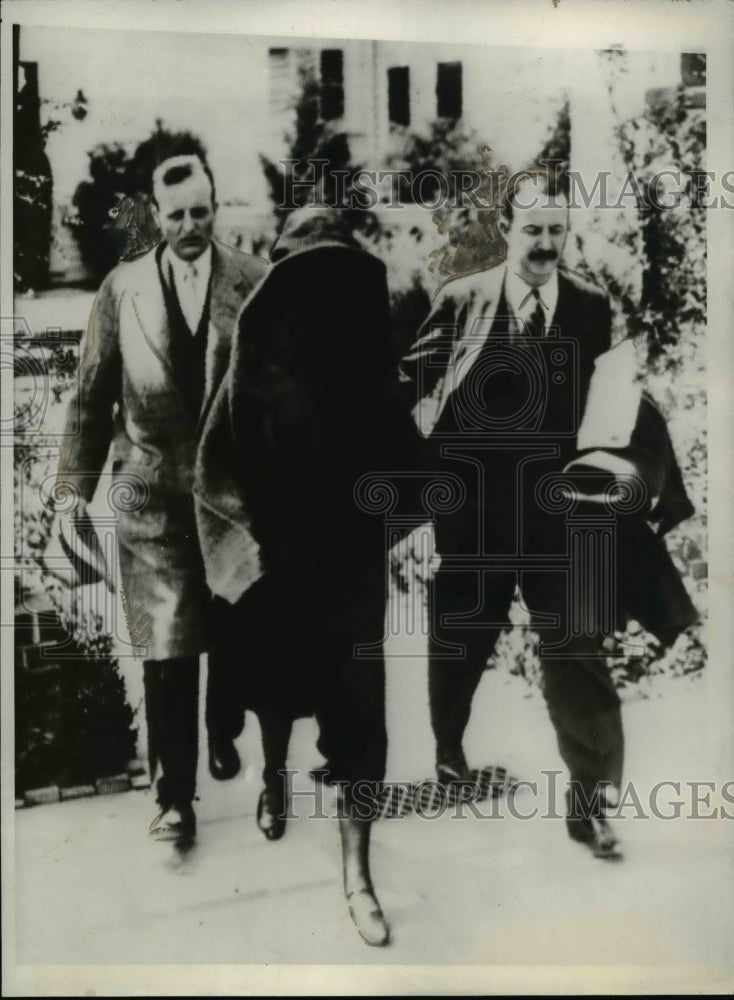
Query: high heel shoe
[368,917]
[271,814]
[452,767]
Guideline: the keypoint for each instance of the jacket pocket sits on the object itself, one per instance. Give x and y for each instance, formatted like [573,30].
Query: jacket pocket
[134,487]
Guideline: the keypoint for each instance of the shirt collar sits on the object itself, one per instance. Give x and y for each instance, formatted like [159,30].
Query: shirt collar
[519,298]
[180,267]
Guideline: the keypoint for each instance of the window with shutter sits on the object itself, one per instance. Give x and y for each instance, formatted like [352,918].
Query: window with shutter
[398,95]
[332,84]
[448,90]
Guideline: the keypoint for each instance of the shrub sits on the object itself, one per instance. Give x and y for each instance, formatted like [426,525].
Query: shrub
[72,723]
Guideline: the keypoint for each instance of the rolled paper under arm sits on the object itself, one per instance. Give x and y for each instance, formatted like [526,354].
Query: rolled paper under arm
[613,400]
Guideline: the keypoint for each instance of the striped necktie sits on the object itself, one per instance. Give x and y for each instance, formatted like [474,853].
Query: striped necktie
[535,323]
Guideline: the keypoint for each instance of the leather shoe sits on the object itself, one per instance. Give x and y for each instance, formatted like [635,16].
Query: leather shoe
[596,833]
[176,824]
[368,917]
[271,814]
[224,761]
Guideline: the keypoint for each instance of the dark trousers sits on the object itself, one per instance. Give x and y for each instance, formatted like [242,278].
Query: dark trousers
[224,711]
[275,729]
[469,610]
[172,712]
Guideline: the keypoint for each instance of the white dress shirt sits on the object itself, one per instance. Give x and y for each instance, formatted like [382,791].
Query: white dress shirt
[191,279]
[521,302]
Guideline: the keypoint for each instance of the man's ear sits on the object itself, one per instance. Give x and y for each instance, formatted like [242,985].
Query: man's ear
[155,212]
[504,225]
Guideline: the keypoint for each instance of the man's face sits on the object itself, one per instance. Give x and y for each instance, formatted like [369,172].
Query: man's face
[186,215]
[536,234]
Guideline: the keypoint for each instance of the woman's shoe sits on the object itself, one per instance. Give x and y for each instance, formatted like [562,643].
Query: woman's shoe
[271,814]
[368,918]
[452,767]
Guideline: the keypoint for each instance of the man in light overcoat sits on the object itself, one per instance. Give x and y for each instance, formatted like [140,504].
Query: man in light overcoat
[154,353]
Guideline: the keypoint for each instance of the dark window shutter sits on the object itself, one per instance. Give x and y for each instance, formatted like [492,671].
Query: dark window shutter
[448,90]
[398,95]
[332,84]
[693,69]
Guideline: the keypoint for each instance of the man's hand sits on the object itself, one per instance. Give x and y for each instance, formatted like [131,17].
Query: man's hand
[74,530]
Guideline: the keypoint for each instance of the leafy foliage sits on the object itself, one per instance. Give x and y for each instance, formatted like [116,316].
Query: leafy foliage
[321,171]
[76,108]
[556,153]
[32,197]
[114,220]
[468,217]
[662,288]
[33,183]
[73,723]
[100,244]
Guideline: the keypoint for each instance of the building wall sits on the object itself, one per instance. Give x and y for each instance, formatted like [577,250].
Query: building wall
[242,95]
[508,96]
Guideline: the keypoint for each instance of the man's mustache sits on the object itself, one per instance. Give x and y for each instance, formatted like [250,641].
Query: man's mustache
[542,255]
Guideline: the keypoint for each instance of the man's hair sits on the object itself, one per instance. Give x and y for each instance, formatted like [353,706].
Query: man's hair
[540,176]
[164,145]
[174,175]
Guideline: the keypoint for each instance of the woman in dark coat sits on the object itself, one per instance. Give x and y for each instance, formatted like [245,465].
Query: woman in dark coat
[313,406]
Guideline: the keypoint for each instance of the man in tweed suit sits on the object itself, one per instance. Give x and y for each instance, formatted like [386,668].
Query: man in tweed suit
[155,351]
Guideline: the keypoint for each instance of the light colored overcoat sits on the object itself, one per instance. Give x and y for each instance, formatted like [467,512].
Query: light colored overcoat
[128,395]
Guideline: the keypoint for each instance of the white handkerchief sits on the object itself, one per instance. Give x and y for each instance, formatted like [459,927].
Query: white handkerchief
[613,400]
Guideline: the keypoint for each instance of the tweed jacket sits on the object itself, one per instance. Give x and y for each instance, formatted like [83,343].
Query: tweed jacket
[129,396]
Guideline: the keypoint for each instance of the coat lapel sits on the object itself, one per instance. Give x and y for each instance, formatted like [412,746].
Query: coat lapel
[149,308]
[476,325]
[228,291]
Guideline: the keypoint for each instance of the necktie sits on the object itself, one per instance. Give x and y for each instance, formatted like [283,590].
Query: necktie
[535,323]
[189,298]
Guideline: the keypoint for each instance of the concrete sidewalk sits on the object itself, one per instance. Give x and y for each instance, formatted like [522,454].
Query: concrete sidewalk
[498,891]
